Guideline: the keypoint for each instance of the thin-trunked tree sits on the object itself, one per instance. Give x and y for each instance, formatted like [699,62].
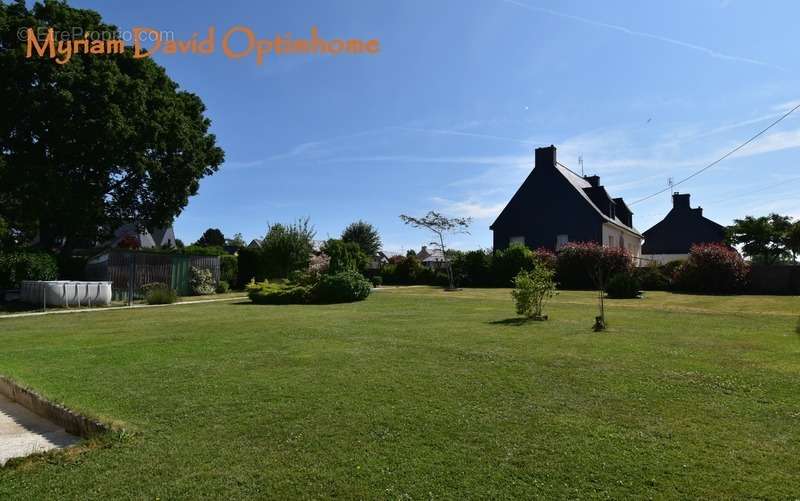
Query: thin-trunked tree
[440,226]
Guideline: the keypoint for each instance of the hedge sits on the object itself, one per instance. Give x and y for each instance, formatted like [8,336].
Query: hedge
[18,266]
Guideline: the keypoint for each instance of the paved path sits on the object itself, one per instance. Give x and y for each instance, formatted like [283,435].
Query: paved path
[61,311]
[23,432]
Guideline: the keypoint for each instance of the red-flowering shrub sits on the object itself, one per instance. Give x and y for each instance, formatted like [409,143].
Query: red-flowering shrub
[712,268]
[546,256]
[578,264]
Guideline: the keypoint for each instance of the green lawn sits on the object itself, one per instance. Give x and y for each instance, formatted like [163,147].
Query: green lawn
[418,393]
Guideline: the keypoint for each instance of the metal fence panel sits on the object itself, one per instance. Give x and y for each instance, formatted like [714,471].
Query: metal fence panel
[129,271]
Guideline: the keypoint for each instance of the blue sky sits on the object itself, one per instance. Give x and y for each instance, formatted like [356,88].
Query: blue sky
[446,116]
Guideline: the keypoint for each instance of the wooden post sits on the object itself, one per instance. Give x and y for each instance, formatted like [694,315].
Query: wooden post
[131,273]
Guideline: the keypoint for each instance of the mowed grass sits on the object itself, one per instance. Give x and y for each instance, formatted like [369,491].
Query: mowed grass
[418,393]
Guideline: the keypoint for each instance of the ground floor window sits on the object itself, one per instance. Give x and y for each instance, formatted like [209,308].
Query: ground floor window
[516,240]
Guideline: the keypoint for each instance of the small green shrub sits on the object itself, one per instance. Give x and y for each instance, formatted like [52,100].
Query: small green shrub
[305,278]
[623,286]
[343,287]
[253,286]
[281,294]
[159,293]
[223,287]
[377,281]
[201,281]
[532,289]
[653,277]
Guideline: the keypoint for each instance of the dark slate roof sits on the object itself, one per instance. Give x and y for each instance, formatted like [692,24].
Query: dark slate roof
[680,229]
[581,185]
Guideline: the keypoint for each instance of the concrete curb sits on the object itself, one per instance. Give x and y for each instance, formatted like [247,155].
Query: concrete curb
[114,308]
[71,421]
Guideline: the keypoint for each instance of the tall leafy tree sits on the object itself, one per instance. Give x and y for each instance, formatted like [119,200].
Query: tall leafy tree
[212,237]
[793,240]
[440,226]
[237,241]
[364,235]
[287,247]
[763,239]
[101,140]
[344,256]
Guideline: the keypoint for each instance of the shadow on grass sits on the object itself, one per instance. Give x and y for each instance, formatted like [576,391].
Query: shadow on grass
[514,321]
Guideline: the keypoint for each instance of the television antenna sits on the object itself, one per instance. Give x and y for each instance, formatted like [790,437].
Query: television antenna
[580,162]
[670,183]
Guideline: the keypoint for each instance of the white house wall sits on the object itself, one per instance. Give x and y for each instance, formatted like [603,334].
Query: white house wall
[663,258]
[630,241]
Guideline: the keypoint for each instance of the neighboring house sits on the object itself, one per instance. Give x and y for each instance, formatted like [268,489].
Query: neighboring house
[555,206]
[164,237]
[672,237]
[231,249]
[377,261]
[160,237]
[431,258]
[254,244]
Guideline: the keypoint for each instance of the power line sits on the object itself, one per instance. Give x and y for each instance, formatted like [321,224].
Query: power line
[720,159]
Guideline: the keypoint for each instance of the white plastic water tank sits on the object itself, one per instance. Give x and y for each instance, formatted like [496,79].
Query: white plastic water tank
[65,293]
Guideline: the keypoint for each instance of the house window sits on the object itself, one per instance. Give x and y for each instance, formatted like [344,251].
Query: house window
[516,240]
[561,241]
[611,240]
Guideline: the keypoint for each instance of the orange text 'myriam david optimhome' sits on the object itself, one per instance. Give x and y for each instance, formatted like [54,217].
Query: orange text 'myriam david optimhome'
[236,43]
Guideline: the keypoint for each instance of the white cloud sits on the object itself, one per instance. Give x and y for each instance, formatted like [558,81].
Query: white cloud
[788,105]
[705,50]
[770,143]
[466,134]
[470,160]
[468,208]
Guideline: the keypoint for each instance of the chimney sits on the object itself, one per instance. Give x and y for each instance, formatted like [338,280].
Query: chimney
[593,180]
[546,157]
[698,211]
[680,201]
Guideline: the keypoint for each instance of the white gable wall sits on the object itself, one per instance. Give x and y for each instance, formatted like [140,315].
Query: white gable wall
[614,236]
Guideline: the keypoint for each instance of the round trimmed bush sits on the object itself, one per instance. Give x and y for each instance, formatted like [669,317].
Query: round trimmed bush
[377,281]
[344,287]
[280,294]
[623,286]
[577,262]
